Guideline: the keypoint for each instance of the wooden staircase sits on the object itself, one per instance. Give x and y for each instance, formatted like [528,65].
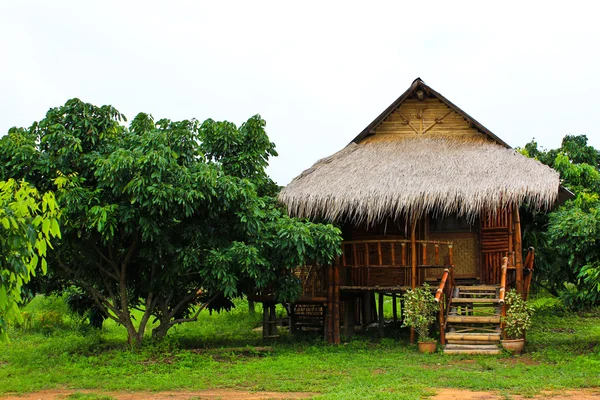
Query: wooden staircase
[473,321]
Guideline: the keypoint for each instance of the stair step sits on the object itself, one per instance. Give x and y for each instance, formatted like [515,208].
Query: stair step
[478,287]
[475,300]
[468,342]
[480,337]
[473,319]
[471,346]
[472,351]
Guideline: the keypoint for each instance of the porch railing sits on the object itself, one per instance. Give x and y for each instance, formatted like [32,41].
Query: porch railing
[393,262]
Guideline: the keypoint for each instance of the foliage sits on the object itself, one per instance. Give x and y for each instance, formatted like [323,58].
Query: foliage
[28,221]
[518,315]
[567,239]
[419,310]
[169,217]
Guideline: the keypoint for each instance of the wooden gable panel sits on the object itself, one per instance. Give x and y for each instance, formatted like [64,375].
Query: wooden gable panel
[430,116]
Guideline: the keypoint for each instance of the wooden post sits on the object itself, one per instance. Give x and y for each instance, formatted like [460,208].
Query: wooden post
[336,304]
[366,310]
[349,310]
[265,320]
[403,246]
[272,320]
[381,321]
[442,327]
[394,308]
[529,264]
[413,262]
[518,250]
[511,259]
[413,255]
[329,325]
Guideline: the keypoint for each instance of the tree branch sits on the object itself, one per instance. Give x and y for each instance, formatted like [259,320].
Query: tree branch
[195,316]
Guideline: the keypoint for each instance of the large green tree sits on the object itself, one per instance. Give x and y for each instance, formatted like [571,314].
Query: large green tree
[164,216]
[568,239]
[28,221]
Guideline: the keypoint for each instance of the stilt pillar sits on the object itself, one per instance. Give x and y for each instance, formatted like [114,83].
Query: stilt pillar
[413,267]
[381,320]
[518,251]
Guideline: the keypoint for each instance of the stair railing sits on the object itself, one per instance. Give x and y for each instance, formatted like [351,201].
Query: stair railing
[528,269]
[440,300]
[503,289]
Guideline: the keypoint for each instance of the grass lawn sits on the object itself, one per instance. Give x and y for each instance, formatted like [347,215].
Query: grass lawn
[563,351]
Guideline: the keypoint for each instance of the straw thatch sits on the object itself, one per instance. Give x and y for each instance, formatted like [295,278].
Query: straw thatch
[392,175]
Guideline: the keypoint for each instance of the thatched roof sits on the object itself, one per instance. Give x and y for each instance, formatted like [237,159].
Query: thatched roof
[381,175]
[390,177]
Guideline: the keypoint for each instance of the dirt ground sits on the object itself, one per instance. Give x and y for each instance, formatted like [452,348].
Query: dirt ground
[229,394]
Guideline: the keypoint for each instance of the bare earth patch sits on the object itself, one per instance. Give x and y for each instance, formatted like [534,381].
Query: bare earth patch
[212,394]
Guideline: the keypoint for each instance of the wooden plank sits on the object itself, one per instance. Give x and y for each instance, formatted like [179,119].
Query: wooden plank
[518,246]
[473,319]
[472,346]
[481,337]
[478,287]
[475,300]
[380,316]
[336,305]
[471,351]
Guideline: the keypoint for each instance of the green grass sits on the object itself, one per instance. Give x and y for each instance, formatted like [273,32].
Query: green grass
[563,352]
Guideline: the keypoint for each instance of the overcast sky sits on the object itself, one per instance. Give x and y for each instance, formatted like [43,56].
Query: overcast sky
[318,72]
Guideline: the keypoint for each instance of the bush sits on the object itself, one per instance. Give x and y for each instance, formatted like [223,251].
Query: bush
[419,310]
[518,315]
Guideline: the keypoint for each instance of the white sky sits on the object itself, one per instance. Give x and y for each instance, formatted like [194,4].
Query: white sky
[318,72]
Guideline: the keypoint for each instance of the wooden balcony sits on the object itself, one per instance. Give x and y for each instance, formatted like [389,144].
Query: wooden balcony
[393,264]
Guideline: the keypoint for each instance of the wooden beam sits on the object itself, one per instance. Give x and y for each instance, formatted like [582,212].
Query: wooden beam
[336,304]
[329,324]
[395,308]
[413,261]
[518,246]
[381,321]
[349,310]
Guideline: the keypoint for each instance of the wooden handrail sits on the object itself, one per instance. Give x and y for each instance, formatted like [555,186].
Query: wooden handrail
[395,241]
[441,287]
[438,298]
[503,280]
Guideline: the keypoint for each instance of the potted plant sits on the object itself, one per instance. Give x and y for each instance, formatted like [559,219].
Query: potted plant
[516,322]
[419,313]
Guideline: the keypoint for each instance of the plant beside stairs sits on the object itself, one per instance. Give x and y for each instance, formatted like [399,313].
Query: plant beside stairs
[516,322]
[419,313]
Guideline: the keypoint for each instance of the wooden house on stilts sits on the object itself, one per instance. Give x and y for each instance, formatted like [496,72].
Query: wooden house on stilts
[425,193]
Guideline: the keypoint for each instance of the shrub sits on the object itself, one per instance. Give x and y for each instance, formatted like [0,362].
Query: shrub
[518,316]
[419,310]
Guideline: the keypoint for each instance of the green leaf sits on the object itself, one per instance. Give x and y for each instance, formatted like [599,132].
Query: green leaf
[3,298]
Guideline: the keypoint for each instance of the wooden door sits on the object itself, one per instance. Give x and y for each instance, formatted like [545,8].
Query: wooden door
[496,238]
[464,235]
